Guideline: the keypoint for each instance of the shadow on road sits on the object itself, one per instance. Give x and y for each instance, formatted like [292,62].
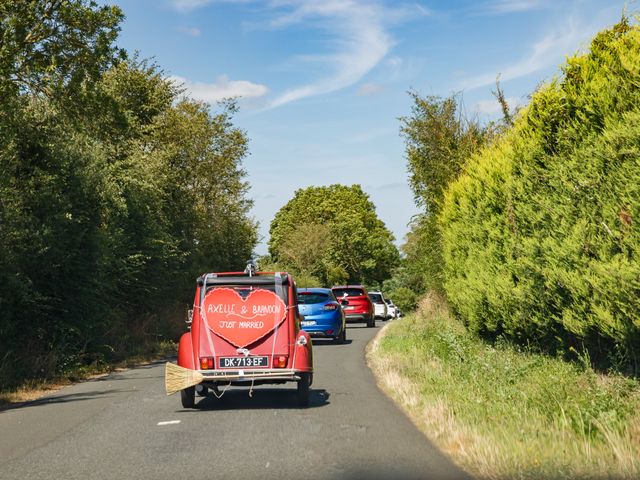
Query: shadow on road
[327,341]
[72,397]
[262,399]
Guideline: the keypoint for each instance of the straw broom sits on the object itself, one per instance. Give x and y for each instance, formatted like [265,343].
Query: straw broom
[177,378]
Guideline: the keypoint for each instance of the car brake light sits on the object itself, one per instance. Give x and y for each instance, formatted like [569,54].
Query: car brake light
[330,306]
[280,361]
[206,363]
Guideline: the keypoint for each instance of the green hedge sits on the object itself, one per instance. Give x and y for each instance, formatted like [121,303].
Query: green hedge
[540,233]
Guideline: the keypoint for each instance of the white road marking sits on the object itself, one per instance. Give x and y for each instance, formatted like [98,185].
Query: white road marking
[170,422]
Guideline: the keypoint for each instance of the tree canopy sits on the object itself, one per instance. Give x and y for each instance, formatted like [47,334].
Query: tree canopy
[333,234]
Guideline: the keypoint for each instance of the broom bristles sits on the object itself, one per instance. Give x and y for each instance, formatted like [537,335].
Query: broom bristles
[177,378]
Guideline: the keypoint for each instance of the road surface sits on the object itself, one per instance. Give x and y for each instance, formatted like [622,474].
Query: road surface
[124,426]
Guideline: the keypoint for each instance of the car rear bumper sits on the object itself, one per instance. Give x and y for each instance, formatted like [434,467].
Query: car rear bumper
[273,374]
[323,325]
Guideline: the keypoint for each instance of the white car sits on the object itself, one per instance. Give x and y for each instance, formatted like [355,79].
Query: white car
[392,310]
[379,305]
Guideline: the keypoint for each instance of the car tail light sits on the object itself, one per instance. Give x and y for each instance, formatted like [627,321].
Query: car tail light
[206,363]
[280,361]
[331,306]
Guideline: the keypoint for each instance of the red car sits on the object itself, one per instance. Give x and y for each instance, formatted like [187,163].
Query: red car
[245,331]
[356,304]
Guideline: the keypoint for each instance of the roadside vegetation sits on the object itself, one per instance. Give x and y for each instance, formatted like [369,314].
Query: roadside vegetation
[503,411]
[529,223]
[522,361]
[116,191]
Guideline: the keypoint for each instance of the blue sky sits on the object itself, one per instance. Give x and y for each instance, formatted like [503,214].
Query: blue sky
[323,83]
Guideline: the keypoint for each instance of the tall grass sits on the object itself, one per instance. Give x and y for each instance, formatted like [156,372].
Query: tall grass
[504,412]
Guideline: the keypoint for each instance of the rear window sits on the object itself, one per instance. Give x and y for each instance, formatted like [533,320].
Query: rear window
[376,298]
[308,298]
[349,292]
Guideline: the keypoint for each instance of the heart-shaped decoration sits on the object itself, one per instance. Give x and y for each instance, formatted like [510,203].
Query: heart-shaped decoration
[242,321]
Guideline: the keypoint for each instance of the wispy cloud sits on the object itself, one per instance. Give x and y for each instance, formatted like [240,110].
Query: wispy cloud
[544,53]
[510,6]
[359,32]
[191,31]
[221,89]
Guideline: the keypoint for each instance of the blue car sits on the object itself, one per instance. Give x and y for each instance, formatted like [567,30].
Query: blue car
[323,315]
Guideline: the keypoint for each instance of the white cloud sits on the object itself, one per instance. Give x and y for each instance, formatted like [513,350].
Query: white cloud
[510,6]
[221,89]
[546,52]
[191,31]
[360,35]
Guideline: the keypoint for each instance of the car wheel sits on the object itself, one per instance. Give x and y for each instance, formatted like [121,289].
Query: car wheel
[303,389]
[188,397]
[371,322]
[340,339]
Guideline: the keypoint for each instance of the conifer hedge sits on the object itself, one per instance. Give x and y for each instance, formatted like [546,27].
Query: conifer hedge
[540,232]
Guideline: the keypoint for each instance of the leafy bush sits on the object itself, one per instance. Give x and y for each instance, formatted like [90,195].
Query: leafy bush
[540,233]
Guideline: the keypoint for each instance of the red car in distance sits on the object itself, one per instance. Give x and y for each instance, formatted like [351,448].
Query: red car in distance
[356,304]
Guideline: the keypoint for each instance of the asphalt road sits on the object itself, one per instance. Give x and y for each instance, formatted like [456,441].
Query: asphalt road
[115,428]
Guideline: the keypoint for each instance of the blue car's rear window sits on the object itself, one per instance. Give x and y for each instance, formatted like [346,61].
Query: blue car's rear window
[307,298]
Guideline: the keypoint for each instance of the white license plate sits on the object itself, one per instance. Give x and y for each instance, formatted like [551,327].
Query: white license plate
[307,323]
[349,308]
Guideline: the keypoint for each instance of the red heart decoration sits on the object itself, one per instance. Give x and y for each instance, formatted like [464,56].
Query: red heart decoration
[242,321]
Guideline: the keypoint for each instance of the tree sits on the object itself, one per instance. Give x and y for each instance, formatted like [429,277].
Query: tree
[116,192]
[333,233]
[439,139]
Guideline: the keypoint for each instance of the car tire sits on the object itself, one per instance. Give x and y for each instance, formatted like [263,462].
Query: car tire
[188,397]
[342,338]
[371,322]
[303,389]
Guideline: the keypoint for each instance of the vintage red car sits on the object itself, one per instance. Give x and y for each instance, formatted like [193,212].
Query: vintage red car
[245,330]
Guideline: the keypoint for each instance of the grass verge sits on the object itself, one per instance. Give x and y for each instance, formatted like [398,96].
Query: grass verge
[36,388]
[504,413]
